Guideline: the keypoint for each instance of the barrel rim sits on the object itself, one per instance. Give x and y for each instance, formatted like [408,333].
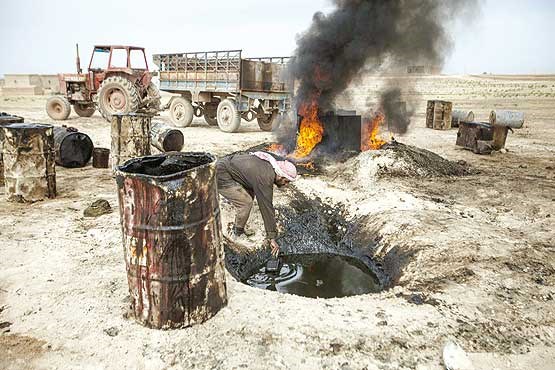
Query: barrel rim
[28,125]
[119,171]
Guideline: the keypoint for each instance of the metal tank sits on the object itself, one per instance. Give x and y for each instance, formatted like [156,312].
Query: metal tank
[458,116]
[506,118]
[73,148]
[29,165]
[130,137]
[171,238]
[166,138]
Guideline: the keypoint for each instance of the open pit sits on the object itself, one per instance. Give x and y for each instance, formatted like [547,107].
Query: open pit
[321,248]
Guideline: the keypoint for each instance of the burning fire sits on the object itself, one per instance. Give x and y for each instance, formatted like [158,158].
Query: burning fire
[370,130]
[311,130]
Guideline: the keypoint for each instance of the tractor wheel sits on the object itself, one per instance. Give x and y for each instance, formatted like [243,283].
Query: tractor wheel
[58,107]
[153,94]
[84,110]
[267,122]
[117,95]
[210,113]
[181,112]
[229,118]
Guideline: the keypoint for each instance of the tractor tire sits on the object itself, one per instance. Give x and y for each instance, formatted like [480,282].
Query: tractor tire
[58,108]
[268,122]
[229,117]
[181,112]
[211,113]
[117,95]
[153,94]
[84,110]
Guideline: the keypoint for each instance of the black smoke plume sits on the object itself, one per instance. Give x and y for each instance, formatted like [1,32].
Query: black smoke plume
[361,35]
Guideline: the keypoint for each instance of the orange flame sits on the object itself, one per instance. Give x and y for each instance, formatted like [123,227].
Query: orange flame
[276,148]
[311,130]
[370,130]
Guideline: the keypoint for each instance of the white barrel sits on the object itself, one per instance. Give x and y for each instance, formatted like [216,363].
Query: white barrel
[458,116]
[507,118]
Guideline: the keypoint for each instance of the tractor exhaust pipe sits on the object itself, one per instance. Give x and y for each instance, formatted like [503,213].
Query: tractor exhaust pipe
[77,60]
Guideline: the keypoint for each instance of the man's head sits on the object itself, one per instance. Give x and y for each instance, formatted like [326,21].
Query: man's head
[285,173]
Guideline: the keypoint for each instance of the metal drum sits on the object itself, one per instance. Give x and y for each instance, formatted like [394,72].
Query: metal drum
[73,149]
[5,119]
[506,118]
[458,116]
[130,137]
[438,114]
[171,238]
[29,168]
[101,158]
[165,138]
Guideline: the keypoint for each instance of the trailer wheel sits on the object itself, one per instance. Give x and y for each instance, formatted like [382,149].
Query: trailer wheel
[181,112]
[58,108]
[267,121]
[84,110]
[229,118]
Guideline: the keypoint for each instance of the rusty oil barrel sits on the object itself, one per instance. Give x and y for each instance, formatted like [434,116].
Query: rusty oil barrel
[130,137]
[171,238]
[29,164]
[101,158]
[5,119]
[166,138]
[73,148]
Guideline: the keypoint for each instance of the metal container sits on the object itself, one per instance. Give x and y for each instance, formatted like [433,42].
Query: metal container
[101,158]
[438,114]
[506,118]
[171,238]
[73,149]
[5,119]
[165,138]
[29,165]
[130,137]
[458,116]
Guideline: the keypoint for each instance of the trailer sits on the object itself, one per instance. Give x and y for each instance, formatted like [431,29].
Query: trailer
[223,87]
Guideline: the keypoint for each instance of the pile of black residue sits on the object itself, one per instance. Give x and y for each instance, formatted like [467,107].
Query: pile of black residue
[421,162]
[166,164]
[310,226]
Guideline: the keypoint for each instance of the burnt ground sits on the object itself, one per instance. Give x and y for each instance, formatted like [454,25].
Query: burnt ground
[471,258]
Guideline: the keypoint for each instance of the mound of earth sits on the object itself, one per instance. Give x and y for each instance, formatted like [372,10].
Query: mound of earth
[395,159]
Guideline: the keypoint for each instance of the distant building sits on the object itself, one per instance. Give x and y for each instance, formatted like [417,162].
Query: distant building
[30,84]
[424,70]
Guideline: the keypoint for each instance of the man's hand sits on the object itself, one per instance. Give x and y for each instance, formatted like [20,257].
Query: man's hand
[275,247]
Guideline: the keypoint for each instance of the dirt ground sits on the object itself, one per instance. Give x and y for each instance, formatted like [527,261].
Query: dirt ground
[477,258]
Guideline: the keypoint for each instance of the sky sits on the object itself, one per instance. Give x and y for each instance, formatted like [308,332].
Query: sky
[39,36]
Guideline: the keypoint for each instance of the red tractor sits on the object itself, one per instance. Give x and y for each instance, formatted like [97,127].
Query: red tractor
[117,81]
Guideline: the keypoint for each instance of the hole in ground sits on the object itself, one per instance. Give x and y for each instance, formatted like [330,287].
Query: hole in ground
[316,275]
[324,254]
